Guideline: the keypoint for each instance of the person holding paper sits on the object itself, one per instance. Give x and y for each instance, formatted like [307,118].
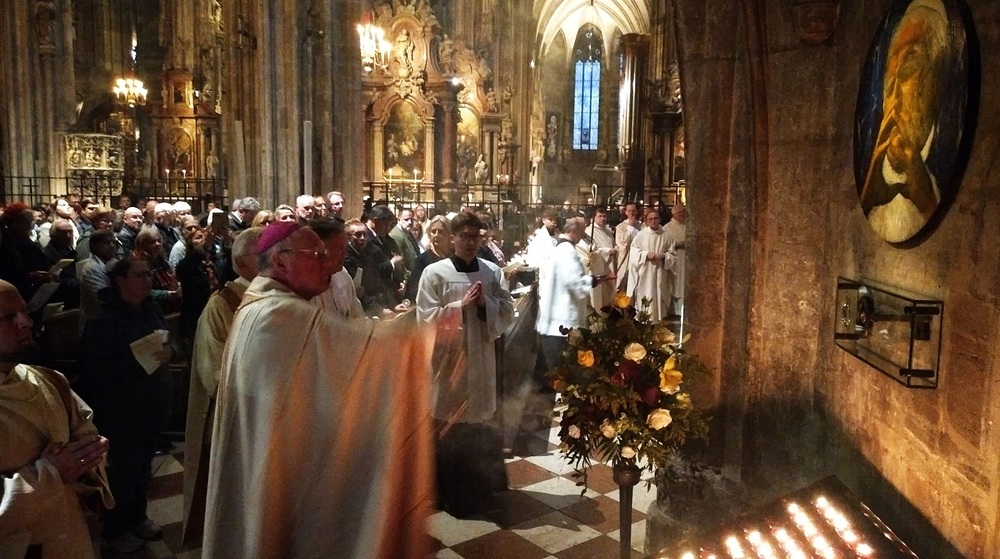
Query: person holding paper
[123,354]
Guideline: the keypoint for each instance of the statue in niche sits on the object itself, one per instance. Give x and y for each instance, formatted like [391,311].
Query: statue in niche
[551,144]
[480,169]
[404,53]
[211,165]
[446,54]
[506,130]
[491,101]
[507,95]
[45,17]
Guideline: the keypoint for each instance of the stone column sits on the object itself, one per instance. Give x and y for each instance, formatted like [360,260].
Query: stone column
[45,35]
[448,145]
[635,52]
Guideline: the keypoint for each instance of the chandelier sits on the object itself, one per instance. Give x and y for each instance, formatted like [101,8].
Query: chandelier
[129,91]
[375,50]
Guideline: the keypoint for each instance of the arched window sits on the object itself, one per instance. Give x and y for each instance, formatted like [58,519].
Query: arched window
[587,89]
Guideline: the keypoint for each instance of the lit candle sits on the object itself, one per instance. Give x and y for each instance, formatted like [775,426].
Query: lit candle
[168,173]
[185,174]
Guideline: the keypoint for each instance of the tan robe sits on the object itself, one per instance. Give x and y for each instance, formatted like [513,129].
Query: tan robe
[322,444]
[597,259]
[37,407]
[206,361]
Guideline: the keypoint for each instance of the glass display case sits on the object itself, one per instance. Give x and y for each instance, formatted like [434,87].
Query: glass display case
[897,332]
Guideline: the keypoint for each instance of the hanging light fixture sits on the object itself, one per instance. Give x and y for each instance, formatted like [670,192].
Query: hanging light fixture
[375,50]
[129,90]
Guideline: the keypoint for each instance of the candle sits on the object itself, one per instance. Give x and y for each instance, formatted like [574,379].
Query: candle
[168,173]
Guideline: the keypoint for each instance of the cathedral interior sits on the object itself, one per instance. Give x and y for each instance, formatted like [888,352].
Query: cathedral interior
[746,110]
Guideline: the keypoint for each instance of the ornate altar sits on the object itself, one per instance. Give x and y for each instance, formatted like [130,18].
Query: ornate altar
[425,104]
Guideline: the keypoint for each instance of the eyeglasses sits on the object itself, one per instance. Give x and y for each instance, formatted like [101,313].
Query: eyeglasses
[318,255]
[358,234]
[469,237]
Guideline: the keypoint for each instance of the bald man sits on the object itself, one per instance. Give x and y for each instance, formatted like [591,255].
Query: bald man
[52,455]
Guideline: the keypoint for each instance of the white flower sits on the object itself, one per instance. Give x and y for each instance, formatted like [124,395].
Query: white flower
[608,430]
[658,419]
[628,452]
[574,431]
[635,352]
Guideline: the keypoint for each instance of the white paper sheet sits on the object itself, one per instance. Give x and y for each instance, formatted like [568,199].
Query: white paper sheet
[146,348]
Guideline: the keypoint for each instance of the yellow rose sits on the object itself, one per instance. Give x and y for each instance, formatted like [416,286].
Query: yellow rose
[622,301]
[574,431]
[585,357]
[635,352]
[608,430]
[662,335]
[628,452]
[670,380]
[658,419]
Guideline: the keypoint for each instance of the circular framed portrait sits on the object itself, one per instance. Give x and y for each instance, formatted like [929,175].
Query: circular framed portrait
[911,126]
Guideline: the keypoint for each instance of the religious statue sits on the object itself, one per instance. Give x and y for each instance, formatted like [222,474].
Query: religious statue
[480,169]
[404,53]
[45,24]
[551,147]
[211,165]
[491,101]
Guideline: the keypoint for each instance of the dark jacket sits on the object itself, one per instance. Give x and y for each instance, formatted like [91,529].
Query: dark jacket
[124,397]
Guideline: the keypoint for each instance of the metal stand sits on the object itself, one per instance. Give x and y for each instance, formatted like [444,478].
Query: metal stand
[626,475]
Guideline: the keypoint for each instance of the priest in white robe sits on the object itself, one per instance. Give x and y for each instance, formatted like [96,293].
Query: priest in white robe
[467,298]
[598,252]
[206,361]
[51,456]
[322,444]
[625,233]
[677,229]
[651,260]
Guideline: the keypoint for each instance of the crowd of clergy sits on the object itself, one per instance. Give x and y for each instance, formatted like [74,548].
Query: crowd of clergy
[309,334]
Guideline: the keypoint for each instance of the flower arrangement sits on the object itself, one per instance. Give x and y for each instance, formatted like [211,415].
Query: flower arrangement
[620,382]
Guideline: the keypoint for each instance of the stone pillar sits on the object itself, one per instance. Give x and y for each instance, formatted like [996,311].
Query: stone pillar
[635,52]
[448,144]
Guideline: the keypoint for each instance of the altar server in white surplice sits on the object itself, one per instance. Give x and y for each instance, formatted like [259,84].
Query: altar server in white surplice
[651,259]
[469,297]
[597,250]
[322,444]
[625,233]
[677,229]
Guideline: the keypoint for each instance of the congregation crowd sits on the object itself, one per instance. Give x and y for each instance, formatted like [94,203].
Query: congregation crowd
[291,320]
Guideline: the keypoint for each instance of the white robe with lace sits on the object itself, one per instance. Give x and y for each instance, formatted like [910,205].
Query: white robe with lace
[649,279]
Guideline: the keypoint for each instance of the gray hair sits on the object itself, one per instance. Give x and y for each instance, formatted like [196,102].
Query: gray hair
[249,204]
[245,243]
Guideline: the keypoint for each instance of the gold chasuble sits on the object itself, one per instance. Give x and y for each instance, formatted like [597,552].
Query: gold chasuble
[322,445]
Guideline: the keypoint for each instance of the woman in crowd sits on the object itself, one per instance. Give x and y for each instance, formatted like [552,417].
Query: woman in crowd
[263,218]
[284,212]
[149,247]
[197,276]
[131,399]
[439,246]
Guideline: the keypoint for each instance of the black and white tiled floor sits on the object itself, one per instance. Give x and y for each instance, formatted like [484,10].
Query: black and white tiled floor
[542,516]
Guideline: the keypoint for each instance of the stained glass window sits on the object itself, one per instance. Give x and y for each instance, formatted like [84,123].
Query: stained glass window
[586,104]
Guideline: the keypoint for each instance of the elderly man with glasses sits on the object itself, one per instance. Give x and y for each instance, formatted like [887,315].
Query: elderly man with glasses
[321,442]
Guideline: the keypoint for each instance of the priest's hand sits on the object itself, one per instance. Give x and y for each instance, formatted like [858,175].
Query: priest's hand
[474,295]
[653,257]
[74,459]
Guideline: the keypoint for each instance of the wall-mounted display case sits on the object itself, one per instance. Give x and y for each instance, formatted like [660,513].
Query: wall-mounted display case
[897,332]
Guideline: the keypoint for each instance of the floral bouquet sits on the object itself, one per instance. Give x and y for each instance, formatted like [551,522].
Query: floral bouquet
[620,382]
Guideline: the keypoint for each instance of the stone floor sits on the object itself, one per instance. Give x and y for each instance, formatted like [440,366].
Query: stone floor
[542,516]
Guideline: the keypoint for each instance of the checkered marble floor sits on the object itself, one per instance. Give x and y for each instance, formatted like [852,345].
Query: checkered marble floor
[542,516]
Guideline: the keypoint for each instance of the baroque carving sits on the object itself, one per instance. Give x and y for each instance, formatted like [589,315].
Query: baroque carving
[94,152]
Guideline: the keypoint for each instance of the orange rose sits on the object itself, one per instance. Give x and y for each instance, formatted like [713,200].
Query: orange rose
[622,301]
[585,357]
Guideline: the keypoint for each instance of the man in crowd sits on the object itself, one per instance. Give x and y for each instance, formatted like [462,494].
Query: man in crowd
[363,258]
[163,219]
[335,200]
[93,273]
[88,213]
[206,358]
[625,232]
[131,224]
[650,261]
[305,208]
[60,248]
[320,208]
[469,299]
[390,267]
[677,229]
[244,210]
[341,299]
[24,265]
[104,219]
[317,453]
[53,457]
[407,245]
